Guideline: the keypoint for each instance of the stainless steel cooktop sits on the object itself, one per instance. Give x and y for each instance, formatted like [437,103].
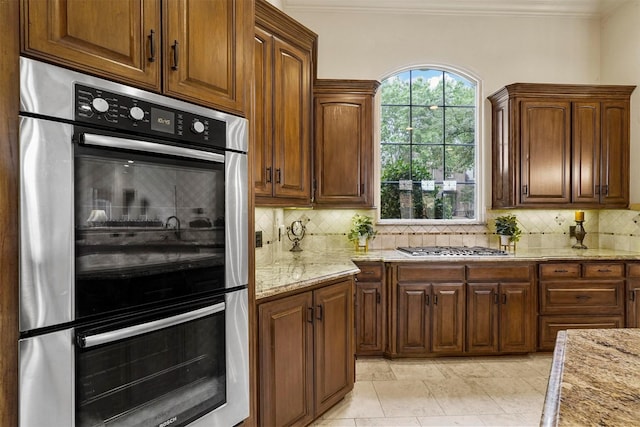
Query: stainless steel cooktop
[452,251]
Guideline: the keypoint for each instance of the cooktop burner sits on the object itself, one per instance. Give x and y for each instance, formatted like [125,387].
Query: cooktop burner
[452,251]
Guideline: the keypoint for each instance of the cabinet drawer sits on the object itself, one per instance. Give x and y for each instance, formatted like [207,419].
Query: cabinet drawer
[499,273]
[602,271]
[557,271]
[430,273]
[369,272]
[551,325]
[633,270]
[581,297]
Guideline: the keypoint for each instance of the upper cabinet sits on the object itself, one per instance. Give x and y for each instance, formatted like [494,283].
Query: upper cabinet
[343,143]
[560,146]
[194,50]
[284,58]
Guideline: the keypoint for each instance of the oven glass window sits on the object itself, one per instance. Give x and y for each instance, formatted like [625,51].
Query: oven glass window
[173,375]
[148,229]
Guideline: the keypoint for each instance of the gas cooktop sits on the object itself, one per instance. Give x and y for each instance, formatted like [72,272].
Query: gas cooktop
[452,251]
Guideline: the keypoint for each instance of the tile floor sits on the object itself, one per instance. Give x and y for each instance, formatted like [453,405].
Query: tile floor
[477,391]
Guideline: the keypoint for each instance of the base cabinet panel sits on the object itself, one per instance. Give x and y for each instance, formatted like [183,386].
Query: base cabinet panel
[551,325]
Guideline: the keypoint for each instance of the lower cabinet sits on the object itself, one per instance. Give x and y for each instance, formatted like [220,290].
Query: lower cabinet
[579,296]
[500,309]
[633,296]
[430,313]
[305,351]
[370,309]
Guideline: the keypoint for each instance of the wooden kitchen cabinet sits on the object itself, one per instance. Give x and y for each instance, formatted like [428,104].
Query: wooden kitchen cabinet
[579,295]
[430,309]
[370,309]
[343,143]
[560,146]
[284,66]
[633,296]
[192,50]
[305,353]
[500,309]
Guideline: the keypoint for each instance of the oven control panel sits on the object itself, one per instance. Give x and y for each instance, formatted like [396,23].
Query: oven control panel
[100,107]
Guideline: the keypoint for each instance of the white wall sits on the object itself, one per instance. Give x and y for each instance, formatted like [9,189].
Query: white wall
[498,50]
[621,65]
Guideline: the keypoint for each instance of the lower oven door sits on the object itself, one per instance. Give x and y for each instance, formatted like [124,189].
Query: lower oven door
[149,372]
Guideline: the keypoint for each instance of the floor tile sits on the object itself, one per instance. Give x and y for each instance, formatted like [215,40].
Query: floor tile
[516,420]
[388,422]
[406,398]
[513,395]
[460,420]
[416,370]
[338,422]
[361,402]
[374,369]
[457,396]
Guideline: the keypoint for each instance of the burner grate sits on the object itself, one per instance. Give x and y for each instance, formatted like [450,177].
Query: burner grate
[452,251]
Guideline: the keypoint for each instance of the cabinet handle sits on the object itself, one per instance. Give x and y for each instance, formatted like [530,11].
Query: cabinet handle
[152,46]
[504,298]
[604,270]
[269,175]
[435,300]
[597,190]
[378,297]
[310,314]
[496,299]
[368,272]
[525,189]
[319,315]
[632,296]
[176,55]
[560,271]
[583,297]
[278,175]
[605,190]
[426,300]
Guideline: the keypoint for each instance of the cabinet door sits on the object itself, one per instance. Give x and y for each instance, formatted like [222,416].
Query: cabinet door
[413,318]
[286,361]
[545,145]
[482,317]
[447,318]
[292,121]
[334,352]
[343,150]
[262,114]
[369,312]
[516,320]
[204,51]
[615,154]
[633,303]
[119,40]
[586,152]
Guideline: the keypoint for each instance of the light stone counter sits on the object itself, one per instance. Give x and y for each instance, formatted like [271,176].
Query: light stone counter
[595,379]
[285,271]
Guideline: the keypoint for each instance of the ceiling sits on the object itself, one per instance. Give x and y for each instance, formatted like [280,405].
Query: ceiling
[583,8]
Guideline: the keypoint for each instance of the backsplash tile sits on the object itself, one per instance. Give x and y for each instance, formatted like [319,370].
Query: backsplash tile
[327,229]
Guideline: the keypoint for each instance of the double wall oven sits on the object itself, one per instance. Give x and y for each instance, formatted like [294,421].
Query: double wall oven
[133,248]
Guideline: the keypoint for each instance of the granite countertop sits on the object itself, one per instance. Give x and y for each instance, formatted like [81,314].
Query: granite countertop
[595,379]
[285,271]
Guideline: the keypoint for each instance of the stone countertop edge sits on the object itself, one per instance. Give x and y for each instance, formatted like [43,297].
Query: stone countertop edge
[289,272]
[551,407]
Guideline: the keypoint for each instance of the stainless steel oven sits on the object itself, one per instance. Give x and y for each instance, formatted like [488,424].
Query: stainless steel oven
[133,247]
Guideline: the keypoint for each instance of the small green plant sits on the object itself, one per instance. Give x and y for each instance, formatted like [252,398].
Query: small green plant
[507,225]
[361,226]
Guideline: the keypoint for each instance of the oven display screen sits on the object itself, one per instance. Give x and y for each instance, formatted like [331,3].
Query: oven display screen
[162,121]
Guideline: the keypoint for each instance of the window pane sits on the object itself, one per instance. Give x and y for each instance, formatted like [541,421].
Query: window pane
[426,87]
[460,125]
[389,201]
[395,125]
[427,125]
[428,162]
[395,90]
[459,91]
[459,163]
[396,162]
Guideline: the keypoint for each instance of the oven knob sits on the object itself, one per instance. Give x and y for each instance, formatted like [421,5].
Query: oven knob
[136,113]
[99,105]
[197,127]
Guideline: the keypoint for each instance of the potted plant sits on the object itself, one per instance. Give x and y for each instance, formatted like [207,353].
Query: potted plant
[508,230]
[361,230]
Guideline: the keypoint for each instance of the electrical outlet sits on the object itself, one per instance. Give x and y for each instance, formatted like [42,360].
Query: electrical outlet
[258,239]
[572,231]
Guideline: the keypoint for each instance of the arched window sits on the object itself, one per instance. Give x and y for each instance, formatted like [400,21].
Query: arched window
[429,149]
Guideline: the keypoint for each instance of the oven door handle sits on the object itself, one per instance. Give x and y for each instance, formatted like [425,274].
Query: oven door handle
[148,147]
[88,340]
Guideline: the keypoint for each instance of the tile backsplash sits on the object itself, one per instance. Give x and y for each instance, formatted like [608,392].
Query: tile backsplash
[326,229]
